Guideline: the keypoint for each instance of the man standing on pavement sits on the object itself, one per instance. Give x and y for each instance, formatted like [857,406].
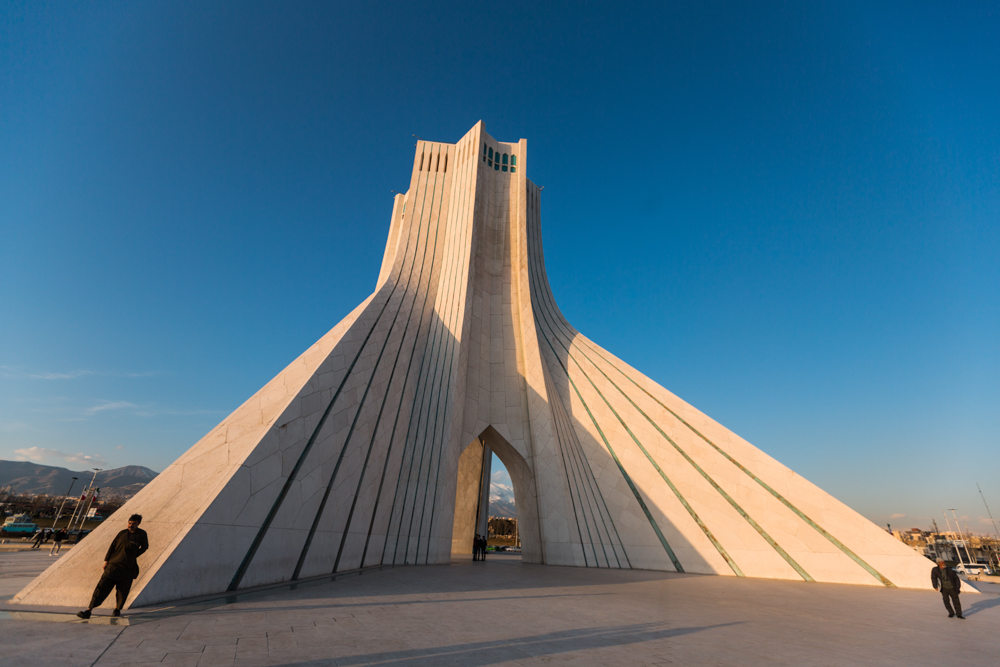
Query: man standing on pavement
[39,538]
[950,585]
[120,567]
[57,540]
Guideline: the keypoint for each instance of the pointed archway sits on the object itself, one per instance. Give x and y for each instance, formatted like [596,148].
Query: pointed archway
[472,494]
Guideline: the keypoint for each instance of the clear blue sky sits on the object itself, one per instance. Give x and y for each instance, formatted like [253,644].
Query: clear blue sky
[790,214]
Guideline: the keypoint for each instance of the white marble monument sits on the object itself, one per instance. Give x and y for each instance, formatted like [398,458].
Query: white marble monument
[368,449]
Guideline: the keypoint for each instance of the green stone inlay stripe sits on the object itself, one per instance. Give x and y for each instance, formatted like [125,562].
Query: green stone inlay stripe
[791,561]
[579,467]
[347,442]
[464,239]
[628,480]
[399,409]
[575,468]
[463,213]
[621,468]
[447,350]
[694,515]
[431,352]
[837,543]
[340,459]
[385,400]
[805,575]
[725,555]
[576,516]
[680,497]
[420,374]
[591,494]
[580,458]
[402,395]
[577,450]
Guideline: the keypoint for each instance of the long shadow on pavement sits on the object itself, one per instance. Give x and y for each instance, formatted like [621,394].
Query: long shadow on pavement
[476,654]
[982,605]
[277,606]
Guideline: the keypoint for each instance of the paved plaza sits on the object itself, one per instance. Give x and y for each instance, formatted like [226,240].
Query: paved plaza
[505,612]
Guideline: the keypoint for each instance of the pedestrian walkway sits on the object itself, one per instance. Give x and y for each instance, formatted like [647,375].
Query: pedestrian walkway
[504,612]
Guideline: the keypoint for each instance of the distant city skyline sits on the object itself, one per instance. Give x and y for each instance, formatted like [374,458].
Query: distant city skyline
[803,201]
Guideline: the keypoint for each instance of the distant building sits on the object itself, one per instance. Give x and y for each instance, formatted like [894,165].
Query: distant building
[951,546]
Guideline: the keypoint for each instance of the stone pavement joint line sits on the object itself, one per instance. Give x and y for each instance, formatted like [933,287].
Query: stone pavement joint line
[461,352]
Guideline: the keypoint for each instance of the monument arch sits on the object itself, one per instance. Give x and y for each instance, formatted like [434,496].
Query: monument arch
[472,495]
[349,458]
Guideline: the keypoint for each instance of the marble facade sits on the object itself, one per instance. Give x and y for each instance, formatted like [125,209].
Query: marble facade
[368,448]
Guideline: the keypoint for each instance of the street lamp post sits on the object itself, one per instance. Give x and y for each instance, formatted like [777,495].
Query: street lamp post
[83,500]
[954,546]
[76,509]
[63,503]
[90,503]
[964,540]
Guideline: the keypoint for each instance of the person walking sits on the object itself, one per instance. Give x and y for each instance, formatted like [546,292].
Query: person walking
[57,540]
[39,538]
[120,567]
[950,586]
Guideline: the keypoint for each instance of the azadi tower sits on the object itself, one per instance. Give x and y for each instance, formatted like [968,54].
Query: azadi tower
[370,448]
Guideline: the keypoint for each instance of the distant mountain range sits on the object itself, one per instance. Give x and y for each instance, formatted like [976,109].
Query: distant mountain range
[502,501]
[27,477]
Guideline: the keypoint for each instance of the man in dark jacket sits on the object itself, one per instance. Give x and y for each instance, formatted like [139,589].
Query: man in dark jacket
[39,538]
[120,567]
[57,540]
[945,578]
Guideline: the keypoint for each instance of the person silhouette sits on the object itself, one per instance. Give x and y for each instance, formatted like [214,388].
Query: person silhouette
[120,567]
[950,585]
[57,540]
[39,538]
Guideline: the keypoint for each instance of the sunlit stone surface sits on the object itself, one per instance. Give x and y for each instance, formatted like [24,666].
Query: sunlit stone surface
[353,455]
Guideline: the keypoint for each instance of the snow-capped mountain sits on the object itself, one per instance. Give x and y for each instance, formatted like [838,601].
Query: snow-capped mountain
[502,496]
